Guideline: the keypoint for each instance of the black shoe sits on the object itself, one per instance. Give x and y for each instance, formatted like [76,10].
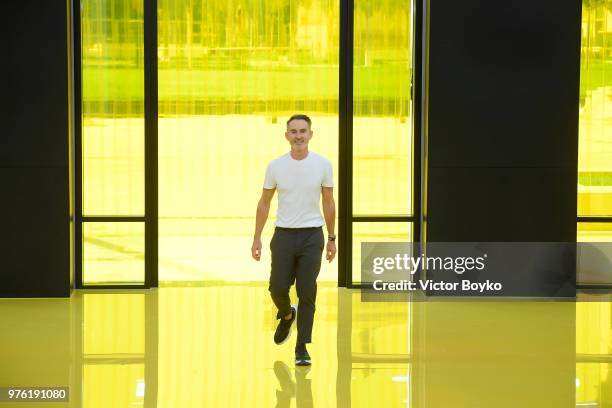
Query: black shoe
[283,330]
[302,358]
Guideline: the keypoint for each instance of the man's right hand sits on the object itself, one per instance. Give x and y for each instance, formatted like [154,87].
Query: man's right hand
[256,249]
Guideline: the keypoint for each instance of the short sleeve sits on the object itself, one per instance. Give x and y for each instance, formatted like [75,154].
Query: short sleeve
[328,175]
[269,180]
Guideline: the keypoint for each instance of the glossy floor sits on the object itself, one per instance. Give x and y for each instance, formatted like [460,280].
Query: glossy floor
[212,347]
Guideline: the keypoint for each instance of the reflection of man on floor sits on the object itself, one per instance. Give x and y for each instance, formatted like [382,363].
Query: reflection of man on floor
[300,177]
[300,388]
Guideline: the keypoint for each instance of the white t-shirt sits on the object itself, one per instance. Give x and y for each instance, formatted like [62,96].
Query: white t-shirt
[299,183]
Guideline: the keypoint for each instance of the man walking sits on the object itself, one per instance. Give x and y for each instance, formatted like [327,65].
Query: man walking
[301,178]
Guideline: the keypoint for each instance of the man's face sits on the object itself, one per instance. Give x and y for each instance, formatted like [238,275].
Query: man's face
[298,134]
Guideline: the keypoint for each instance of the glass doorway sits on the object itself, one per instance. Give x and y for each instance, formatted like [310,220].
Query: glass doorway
[185,102]
[230,74]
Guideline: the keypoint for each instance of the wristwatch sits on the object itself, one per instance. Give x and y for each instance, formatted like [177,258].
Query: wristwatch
[331,237]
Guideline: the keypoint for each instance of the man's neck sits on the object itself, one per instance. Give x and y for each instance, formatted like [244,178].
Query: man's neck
[299,154]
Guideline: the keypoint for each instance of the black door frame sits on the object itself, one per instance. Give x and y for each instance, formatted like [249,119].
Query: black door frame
[346,216]
[150,218]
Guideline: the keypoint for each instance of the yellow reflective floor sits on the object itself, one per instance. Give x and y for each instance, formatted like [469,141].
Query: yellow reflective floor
[212,346]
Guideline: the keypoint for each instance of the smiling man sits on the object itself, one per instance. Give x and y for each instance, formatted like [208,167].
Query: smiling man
[301,178]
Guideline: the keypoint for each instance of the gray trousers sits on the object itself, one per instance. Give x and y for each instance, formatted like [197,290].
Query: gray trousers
[296,257]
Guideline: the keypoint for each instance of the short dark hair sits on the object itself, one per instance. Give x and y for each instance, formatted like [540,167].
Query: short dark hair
[300,116]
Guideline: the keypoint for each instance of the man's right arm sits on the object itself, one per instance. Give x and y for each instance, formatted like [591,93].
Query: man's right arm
[263,208]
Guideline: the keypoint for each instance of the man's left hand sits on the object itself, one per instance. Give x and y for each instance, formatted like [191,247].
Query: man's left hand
[330,252]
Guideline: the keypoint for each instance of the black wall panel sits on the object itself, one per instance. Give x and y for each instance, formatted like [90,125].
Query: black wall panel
[35,69]
[503,120]
[34,153]
[36,244]
[503,82]
[501,204]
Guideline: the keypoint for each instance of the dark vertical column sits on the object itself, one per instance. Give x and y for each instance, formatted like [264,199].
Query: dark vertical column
[502,120]
[77,154]
[416,94]
[70,27]
[151,173]
[345,145]
[34,150]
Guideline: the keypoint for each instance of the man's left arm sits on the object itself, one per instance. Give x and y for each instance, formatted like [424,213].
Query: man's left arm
[329,212]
